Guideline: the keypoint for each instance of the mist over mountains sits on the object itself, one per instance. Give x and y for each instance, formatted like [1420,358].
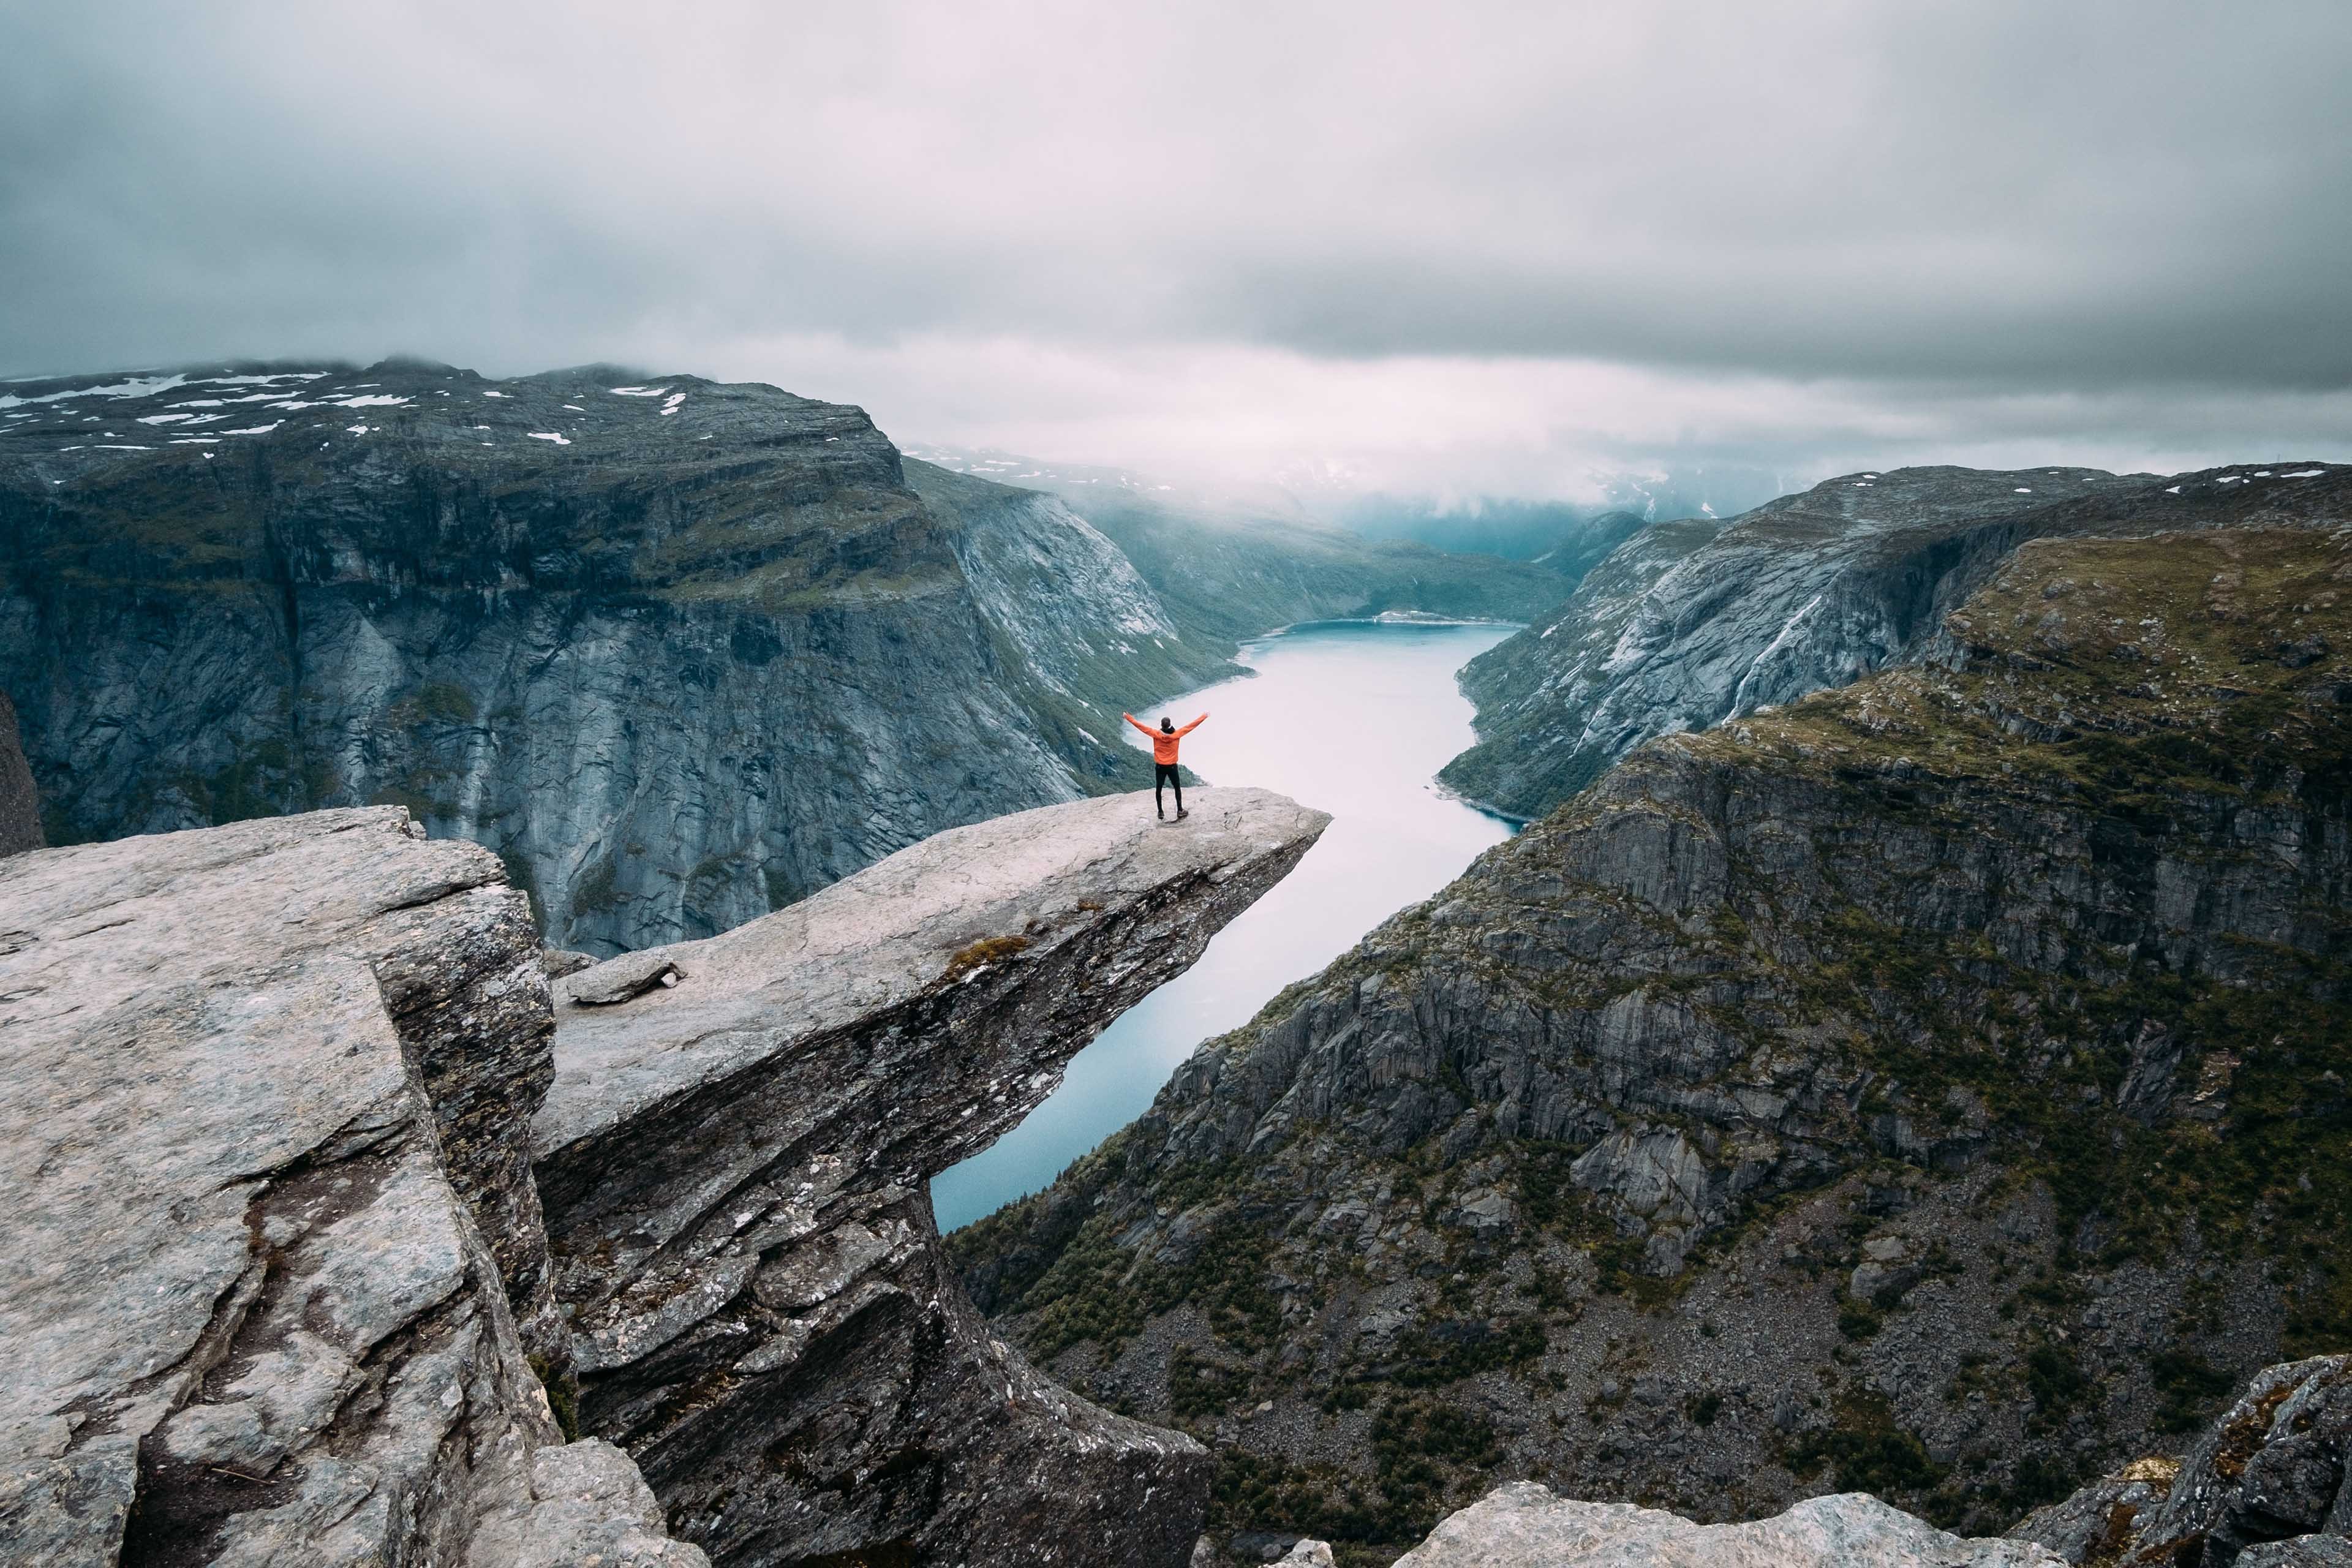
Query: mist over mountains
[1567,535]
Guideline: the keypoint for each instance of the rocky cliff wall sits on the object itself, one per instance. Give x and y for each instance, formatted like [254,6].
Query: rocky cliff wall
[266,1088]
[1810,591]
[1935,1086]
[679,653]
[20,804]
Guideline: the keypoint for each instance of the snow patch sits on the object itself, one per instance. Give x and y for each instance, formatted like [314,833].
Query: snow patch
[136,386]
[2303,474]
[381,401]
[253,429]
[547,436]
[671,406]
[639,391]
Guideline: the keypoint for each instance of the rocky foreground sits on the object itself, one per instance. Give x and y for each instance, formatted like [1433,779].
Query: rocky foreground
[330,1223]
[2264,1487]
[1936,1088]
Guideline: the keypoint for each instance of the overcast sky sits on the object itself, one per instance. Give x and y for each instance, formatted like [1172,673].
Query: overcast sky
[1454,247]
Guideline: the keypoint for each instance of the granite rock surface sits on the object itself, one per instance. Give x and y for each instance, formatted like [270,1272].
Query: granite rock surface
[269,1203]
[2269,1482]
[1525,1526]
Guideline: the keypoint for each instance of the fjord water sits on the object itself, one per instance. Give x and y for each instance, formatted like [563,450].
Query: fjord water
[1353,716]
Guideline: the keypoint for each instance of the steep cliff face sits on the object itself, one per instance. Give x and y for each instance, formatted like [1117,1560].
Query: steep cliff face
[679,653]
[20,804]
[1807,592]
[1081,621]
[1935,1086]
[1557,667]
[271,1221]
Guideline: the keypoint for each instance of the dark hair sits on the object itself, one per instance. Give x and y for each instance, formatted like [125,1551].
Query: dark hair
[1166,722]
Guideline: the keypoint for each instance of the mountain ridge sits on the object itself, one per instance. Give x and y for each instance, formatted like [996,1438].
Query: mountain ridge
[1702,620]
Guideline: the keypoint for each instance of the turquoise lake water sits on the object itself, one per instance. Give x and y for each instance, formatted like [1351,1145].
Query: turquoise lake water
[1354,718]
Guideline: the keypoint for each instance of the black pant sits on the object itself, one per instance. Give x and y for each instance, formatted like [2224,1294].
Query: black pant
[1164,773]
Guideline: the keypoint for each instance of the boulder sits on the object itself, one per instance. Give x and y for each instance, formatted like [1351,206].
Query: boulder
[1524,1525]
[2268,1478]
[267,1085]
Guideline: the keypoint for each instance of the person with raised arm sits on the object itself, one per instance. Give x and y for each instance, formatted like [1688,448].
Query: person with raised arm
[1163,759]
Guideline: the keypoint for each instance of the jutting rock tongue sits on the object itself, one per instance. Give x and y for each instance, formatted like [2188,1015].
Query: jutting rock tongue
[734,1162]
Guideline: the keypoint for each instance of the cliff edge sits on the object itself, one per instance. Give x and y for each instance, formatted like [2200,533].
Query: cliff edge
[325,1233]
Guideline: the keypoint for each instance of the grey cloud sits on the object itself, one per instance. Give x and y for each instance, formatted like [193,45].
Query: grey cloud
[2134,202]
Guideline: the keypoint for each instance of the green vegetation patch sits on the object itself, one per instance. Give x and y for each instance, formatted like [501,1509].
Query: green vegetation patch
[1865,1449]
[980,954]
[1101,1291]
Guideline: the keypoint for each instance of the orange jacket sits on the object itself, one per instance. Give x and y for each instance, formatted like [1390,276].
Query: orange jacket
[1163,742]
